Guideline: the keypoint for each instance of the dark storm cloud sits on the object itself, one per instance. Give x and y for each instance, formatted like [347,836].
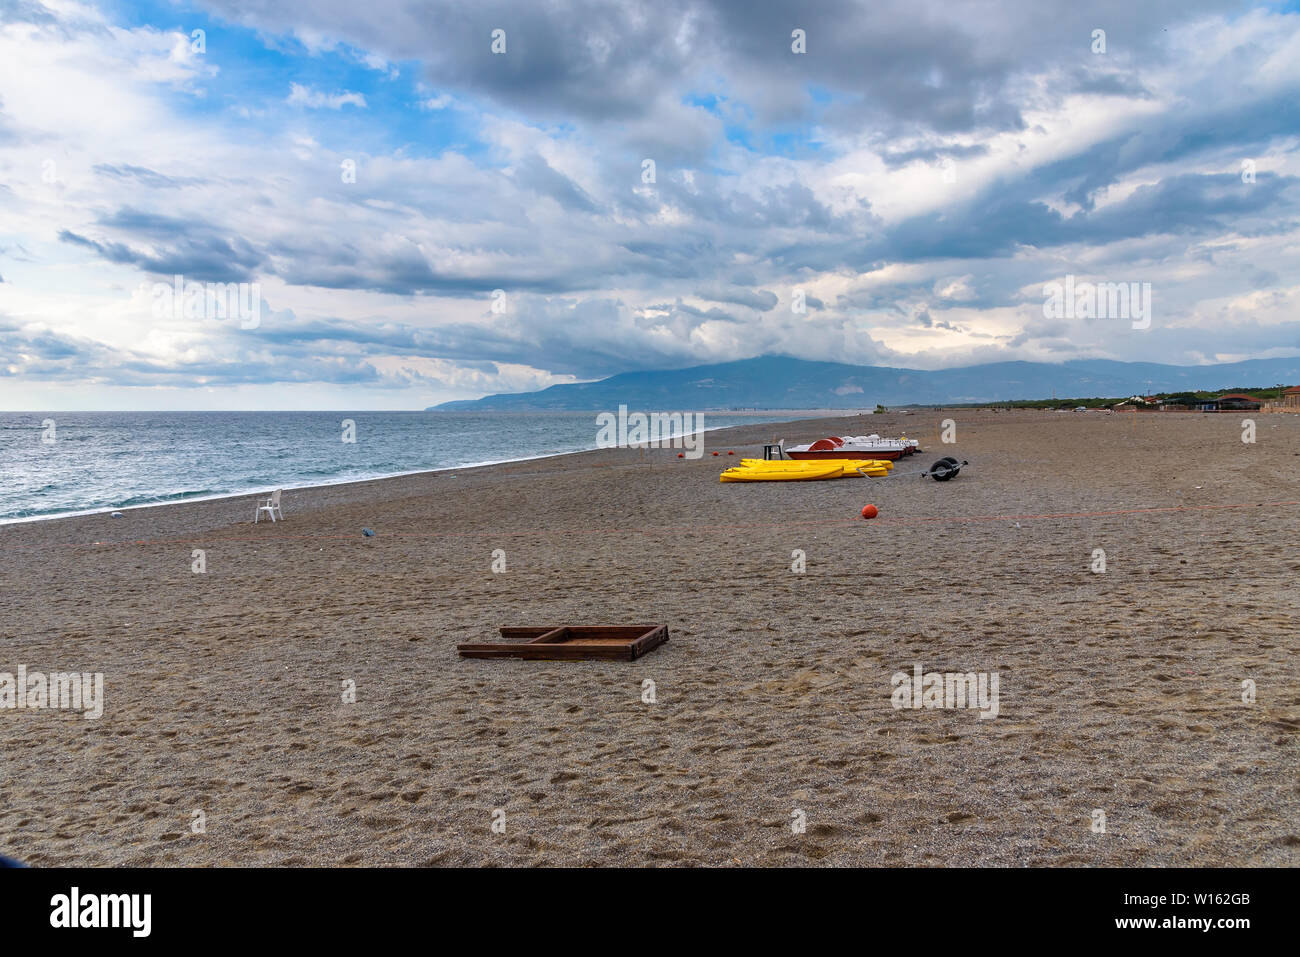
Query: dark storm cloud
[1190,203]
[1234,130]
[937,65]
[175,246]
[929,154]
[405,270]
[999,222]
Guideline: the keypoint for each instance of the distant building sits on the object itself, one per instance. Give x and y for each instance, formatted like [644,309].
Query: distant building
[1239,402]
[1291,397]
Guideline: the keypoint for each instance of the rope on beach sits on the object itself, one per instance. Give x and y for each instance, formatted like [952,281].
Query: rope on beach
[668,529]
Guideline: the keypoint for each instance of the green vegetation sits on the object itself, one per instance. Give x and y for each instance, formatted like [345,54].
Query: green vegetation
[1272,393]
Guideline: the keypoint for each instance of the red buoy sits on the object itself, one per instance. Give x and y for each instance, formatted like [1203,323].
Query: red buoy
[869,511]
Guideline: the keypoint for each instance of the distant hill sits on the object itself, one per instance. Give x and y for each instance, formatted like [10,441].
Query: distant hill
[781,382]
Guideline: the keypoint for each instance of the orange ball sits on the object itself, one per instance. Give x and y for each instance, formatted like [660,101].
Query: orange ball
[869,511]
[715,453]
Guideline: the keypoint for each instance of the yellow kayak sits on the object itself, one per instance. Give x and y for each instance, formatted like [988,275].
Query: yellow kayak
[817,470]
[869,472]
[848,467]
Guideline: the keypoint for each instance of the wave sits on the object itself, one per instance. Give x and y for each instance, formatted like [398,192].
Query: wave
[254,456]
[158,499]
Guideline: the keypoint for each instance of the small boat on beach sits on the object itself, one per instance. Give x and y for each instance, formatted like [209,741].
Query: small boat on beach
[848,466]
[791,472]
[784,470]
[855,447]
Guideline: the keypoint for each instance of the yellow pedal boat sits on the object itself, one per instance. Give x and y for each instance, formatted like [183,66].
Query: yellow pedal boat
[875,468]
[818,470]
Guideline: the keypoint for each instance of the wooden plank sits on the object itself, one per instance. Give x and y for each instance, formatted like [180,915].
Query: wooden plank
[488,651]
[555,634]
[650,640]
[612,631]
[579,652]
[571,643]
[622,642]
[527,633]
[545,652]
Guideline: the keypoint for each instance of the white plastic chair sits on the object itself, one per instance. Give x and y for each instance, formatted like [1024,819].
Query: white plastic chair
[271,507]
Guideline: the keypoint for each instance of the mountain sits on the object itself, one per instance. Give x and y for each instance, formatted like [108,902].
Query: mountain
[781,382]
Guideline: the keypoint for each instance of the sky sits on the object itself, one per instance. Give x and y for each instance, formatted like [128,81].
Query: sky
[436,200]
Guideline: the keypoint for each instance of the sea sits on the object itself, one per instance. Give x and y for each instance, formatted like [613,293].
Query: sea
[68,463]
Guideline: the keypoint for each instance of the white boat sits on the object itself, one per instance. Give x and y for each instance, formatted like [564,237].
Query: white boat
[855,447]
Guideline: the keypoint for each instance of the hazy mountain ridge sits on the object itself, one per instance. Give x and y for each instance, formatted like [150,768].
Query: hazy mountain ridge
[782,382]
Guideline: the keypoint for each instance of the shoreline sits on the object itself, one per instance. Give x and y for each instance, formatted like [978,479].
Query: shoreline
[265,490]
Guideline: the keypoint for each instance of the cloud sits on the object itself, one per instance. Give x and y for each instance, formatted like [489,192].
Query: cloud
[148,178]
[760,299]
[927,64]
[535,174]
[175,246]
[300,95]
[918,174]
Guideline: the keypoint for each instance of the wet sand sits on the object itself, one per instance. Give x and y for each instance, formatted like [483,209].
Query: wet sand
[1119,692]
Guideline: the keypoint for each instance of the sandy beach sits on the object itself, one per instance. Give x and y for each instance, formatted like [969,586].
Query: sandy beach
[1119,691]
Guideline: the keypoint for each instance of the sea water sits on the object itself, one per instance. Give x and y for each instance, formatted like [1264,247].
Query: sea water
[60,463]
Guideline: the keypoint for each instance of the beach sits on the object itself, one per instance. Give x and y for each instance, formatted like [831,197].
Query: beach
[771,740]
